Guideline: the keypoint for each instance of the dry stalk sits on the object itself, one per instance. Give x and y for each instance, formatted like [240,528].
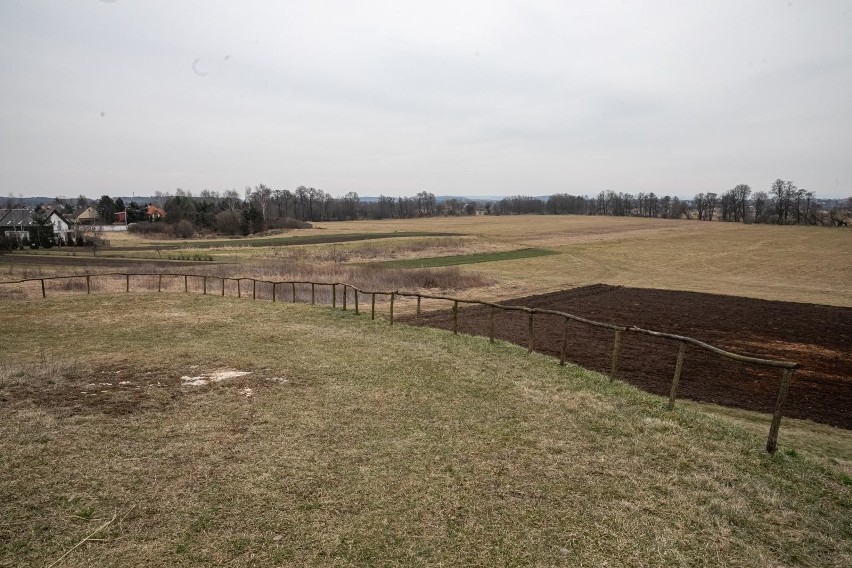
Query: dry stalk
[89,537]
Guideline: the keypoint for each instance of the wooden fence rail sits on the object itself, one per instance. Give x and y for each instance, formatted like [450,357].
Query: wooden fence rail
[787,367]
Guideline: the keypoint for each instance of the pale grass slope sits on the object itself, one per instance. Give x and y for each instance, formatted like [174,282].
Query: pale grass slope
[384,446]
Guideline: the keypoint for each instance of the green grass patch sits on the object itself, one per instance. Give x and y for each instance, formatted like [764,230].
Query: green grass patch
[455,260]
[354,443]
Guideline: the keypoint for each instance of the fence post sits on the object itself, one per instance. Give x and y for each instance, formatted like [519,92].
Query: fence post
[159,282]
[356,301]
[616,353]
[204,288]
[772,441]
[334,295]
[530,335]
[185,283]
[88,285]
[43,294]
[373,309]
[223,285]
[676,378]
[564,343]
[127,283]
[274,285]
[491,324]
[393,295]
[418,306]
[253,289]
[345,292]
[455,317]
[293,290]
[239,287]
[313,293]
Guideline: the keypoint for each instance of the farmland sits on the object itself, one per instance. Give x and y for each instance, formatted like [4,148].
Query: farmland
[350,442]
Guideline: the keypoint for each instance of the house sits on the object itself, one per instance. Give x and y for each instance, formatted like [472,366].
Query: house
[155,213]
[89,216]
[16,222]
[61,225]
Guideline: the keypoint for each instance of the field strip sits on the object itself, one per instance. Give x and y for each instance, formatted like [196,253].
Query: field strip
[458,259]
[282,241]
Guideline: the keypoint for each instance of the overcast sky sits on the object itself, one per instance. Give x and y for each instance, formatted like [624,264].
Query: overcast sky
[455,98]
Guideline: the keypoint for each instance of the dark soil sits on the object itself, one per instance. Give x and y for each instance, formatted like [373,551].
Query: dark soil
[88,261]
[817,337]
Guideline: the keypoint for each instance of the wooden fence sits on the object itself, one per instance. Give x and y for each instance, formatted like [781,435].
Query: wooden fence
[787,368]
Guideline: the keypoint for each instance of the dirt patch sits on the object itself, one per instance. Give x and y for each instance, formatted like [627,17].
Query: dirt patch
[816,336]
[71,391]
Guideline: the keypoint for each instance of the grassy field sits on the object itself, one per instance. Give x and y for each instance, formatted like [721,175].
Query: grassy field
[353,443]
[800,264]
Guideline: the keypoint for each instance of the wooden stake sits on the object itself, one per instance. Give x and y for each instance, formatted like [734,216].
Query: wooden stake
[393,295]
[491,324]
[159,282]
[334,295]
[293,289]
[185,283]
[223,285]
[530,335]
[253,289]
[43,293]
[678,367]
[88,285]
[274,285]
[313,293]
[204,289]
[345,293]
[564,343]
[239,287]
[772,441]
[373,311]
[616,353]
[356,301]
[127,283]
[418,305]
[455,317]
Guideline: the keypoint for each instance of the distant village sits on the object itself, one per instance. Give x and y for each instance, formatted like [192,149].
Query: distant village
[61,224]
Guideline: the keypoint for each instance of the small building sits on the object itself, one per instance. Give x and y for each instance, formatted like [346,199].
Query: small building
[119,217]
[88,216]
[155,213]
[61,225]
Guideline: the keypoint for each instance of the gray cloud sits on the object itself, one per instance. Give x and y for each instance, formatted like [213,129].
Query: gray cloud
[387,97]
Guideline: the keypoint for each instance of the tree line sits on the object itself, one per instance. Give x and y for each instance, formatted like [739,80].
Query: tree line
[261,208]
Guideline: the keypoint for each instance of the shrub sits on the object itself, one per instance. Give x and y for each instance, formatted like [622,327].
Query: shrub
[184,229]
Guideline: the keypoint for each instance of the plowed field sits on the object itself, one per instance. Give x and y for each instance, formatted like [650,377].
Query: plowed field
[816,336]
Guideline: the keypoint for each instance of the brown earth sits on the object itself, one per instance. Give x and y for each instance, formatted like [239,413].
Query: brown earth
[816,336]
[92,261]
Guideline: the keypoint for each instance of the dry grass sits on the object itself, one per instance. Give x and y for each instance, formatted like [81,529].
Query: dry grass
[374,445]
[799,264]
[802,264]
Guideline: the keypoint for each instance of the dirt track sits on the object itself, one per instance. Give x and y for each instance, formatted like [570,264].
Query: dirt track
[818,337]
